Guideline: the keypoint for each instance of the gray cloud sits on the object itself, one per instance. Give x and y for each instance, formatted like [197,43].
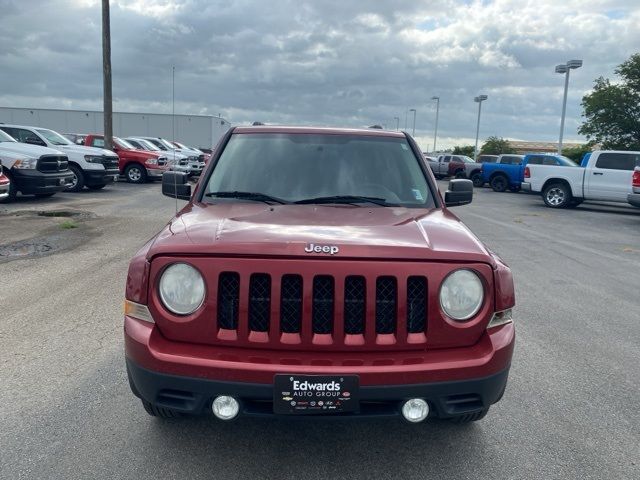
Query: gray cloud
[322,62]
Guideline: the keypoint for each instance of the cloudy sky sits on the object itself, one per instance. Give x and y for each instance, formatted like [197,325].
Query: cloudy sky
[323,62]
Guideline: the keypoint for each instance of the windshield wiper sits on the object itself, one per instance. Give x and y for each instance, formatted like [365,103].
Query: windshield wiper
[346,199]
[258,197]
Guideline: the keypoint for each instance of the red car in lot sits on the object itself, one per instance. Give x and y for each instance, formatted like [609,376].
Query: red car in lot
[318,272]
[137,166]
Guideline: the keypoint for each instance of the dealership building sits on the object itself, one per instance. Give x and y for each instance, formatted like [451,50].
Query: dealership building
[201,131]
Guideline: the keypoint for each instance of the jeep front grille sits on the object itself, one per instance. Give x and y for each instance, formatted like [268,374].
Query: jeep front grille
[285,297]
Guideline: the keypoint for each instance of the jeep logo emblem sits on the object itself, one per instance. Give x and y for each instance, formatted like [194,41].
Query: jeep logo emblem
[313,248]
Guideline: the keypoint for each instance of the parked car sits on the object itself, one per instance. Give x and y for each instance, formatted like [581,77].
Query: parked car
[136,165]
[452,166]
[511,175]
[91,167]
[194,164]
[347,287]
[505,174]
[176,161]
[33,170]
[203,157]
[634,196]
[607,177]
[5,184]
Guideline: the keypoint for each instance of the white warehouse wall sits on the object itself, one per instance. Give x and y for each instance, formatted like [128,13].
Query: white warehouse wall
[194,130]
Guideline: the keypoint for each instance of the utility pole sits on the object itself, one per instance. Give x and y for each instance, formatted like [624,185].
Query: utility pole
[106,74]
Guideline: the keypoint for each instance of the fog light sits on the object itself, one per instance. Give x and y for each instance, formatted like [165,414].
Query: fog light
[415,410]
[225,407]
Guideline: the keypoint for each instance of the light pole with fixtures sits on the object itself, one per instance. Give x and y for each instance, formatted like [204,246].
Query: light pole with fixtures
[570,65]
[397,119]
[435,135]
[414,122]
[479,99]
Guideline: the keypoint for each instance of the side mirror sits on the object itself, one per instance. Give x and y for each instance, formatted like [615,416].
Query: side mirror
[460,192]
[175,185]
[35,141]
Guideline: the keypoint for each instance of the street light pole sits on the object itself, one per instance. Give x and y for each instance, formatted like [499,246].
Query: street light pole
[406,114]
[414,122]
[435,135]
[566,68]
[397,119]
[479,99]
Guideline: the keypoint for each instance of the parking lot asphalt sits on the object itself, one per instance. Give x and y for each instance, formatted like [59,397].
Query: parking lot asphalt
[571,409]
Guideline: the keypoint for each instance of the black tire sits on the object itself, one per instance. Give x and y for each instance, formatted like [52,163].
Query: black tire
[469,417]
[499,183]
[476,178]
[460,174]
[44,195]
[557,195]
[78,181]
[135,173]
[160,412]
[99,186]
[12,189]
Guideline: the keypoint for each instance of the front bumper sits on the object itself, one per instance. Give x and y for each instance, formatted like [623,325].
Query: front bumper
[634,199]
[4,190]
[525,186]
[186,377]
[31,182]
[101,177]
[155,173]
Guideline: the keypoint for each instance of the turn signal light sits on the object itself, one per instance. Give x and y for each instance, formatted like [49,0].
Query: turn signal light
[527,173]
[636,178]
[135,310]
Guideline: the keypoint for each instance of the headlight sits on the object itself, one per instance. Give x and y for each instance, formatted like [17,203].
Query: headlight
[181,289]
[93,158]
[461,294]
[151,161]
[26,164]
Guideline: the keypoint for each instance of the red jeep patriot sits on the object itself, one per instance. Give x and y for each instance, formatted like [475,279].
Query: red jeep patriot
[318,271]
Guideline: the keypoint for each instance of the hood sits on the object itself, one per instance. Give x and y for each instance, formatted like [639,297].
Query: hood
[82,150]
[146,154]
[286,230]
[24,149]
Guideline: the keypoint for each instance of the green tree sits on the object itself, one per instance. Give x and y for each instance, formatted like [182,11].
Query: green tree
[576,153]
[612,110]
[496,145]
[464,150]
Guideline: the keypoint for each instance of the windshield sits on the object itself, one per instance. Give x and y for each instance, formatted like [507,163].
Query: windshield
[466,159]
[303,167]
[166,144]
[123,144]
[5,137]
[147,145]
[53,137]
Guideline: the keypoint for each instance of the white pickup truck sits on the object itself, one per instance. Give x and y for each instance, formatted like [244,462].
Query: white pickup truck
[92,167]
[606,177]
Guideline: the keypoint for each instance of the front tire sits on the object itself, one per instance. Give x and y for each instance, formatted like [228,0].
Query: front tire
[460,174]
[476,178]
[557,195]
[135,174]
[77,182]
[499,183]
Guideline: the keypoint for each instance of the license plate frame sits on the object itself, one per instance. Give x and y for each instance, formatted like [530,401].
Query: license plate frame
[315,394]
